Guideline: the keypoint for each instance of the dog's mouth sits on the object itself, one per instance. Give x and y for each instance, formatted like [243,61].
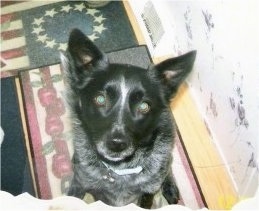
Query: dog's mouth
[109,155]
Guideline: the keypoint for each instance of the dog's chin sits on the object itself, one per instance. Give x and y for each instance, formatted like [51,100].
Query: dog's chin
[110,159]
[114,157]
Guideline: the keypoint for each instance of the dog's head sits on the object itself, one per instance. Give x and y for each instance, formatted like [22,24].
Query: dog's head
[120,105]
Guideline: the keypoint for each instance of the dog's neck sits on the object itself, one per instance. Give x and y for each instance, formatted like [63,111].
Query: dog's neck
[123,172]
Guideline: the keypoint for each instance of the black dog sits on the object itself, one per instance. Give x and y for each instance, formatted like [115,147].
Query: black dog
[122,125]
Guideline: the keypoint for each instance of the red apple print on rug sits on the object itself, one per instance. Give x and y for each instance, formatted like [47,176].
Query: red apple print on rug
[49,129]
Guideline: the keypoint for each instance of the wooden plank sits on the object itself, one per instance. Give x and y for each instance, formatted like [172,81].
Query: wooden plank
[157,60]
[24,125]
[212,174]
[134,23]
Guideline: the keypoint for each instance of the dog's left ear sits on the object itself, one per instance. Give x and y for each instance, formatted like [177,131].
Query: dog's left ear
[82,58]
[172,72]
[83,51]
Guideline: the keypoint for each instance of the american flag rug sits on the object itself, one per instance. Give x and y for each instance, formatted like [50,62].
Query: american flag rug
[33,33]
[51,139]
[13,44]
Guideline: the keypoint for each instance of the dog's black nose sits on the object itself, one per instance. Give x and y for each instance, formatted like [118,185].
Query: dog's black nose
[117,145]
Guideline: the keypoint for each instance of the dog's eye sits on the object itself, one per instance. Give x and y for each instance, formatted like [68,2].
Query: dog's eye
[143,108]
[100,100]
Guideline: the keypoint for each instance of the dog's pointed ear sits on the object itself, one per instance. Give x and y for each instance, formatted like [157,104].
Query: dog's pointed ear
[83,50]
[83,57]
[172,72]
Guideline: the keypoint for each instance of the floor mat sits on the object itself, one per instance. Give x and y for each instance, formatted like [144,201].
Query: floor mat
[32,34]
[32,38]
[15,169]
[50,132]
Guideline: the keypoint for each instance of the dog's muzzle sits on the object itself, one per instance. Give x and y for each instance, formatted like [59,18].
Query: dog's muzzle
[115,150]
[117,145]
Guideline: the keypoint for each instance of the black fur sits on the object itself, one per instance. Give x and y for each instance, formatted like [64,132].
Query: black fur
[121,120]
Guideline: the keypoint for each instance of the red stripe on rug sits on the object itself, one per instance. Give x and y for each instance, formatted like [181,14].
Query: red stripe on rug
[11,73]
[6,18]
[8,35]
[7,3]
[35,138]
[13,53]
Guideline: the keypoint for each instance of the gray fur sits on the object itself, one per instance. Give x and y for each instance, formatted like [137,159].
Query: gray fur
[90,173]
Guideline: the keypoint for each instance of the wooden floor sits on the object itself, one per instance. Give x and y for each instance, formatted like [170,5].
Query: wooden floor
[211,173]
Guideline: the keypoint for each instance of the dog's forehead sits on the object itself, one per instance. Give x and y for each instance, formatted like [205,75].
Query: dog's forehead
[128,71]
[124,78]
[116,73]
[130,77]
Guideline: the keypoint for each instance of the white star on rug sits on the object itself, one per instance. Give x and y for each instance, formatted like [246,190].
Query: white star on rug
[37,30]
[99,19]
[93,37]
[97,24]
[38,21]
[79,7]
[62,46]
[66,8]
[91,11]
[51,43]
[50,13]
[99,28]
[42,38]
